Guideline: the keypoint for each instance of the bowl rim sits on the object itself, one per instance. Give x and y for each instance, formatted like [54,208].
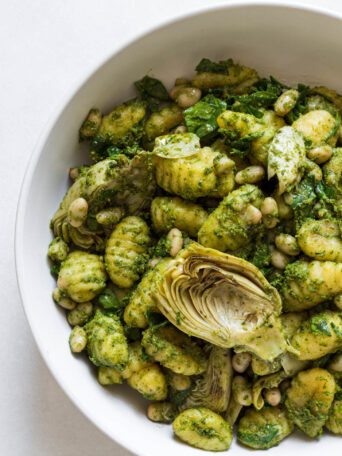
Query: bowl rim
[34,156]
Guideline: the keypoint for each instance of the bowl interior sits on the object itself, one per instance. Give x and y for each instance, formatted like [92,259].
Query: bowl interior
[294,45]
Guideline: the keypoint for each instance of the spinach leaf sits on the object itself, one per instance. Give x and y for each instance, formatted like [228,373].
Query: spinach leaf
[201,118]
[320,325]
[240,146]
[300,106]
[152,91]
[207,65]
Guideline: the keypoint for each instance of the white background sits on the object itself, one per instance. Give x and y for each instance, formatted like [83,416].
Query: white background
[45,47]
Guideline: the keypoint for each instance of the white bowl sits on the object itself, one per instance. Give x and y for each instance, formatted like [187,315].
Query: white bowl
[293,44]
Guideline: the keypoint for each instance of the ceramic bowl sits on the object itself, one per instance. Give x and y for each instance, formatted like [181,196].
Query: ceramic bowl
[291,43]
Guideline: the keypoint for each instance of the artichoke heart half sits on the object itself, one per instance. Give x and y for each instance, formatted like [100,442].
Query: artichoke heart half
[222,299]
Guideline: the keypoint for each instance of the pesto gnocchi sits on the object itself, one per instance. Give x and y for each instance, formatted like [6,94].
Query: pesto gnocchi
[198,258]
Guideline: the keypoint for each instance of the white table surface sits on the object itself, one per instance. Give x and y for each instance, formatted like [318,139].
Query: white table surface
[45,46]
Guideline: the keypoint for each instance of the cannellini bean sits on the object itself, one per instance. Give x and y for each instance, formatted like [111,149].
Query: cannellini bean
[288,198]
[62,301]
[269,210]
[109,216]
[272,396]
[242,391]
[80,314]
[287,244]
[278,259]
[78,211]
[250,175]
[252,214]
[241,361]
[179,382]
[154,261]
[338,301]
[336,363]
[74,173]
[185,96]
[223,165]
[188,96]
[179,130]
[162,412]
[320,154]
[77,339]
[176,238]
[286,102]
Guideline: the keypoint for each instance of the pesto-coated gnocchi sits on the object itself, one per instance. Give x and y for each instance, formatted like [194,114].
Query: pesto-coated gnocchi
[198,257]
[202,428]
[309,398]
[124,258]
[234,222]
[203,172]
[82,276]
[168,212]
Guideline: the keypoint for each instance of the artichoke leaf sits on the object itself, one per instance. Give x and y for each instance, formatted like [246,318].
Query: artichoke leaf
[212,390]
[266,382]
[222,299]
[111,182]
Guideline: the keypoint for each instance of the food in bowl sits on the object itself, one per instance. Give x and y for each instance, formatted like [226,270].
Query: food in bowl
[200,256]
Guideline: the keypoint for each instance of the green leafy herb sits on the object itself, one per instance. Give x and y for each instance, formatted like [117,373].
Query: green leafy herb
[108,300]
[207,65]
[162,248]
[155,319]
[325,192]
[201,118]
[240,146]
[319,325]
[270,85]
[152,91]
[260,436]
[55,269]
[261,256]
[336,330]
[132,334]
[300,106]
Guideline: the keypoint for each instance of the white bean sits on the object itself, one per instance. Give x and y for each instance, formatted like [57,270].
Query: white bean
[179,130]
[272,396]
[269,210]
[336,364]
[154,261]
[252,214]
[109,216]
[179,382]
[74,173]
[224,165]
[78,211]
[278,259]
[287,244]
[77,339]
[241,361]
[186,96]
[242,390]
[288,198]
[62,301]
[286,102]
[176,238]
[320,154]
[250,175]
[80,314]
